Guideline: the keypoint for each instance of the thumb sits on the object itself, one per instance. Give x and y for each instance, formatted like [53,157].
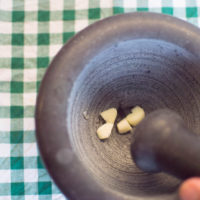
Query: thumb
[190,189]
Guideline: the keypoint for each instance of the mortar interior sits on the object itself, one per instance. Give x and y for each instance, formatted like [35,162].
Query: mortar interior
[147,72]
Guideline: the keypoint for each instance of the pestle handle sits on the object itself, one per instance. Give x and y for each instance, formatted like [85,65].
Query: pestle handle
[163,143]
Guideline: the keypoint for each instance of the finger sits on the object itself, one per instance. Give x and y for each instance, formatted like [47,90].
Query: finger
[190,189]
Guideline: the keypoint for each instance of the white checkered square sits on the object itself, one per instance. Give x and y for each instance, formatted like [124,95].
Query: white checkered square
[179,3]
[6,5]
[130,3]
[31,27]
[4,126]
[56,5]
[155,4]
[53,50]
[4,99]
[6,51]
[5,197]
[31,197]
[5,149]
[29,124]
[31,5]
[5,176]
[30,175]
[30,51]
[56,26]
[5,74]
[198,3]
[5,27]
[80,24]
[29,99]
[106,3]
[58,197]
[30,149]
[30,75]
[183,18]
[81,4]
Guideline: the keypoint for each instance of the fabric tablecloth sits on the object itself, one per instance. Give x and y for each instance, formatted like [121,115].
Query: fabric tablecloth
[31,33]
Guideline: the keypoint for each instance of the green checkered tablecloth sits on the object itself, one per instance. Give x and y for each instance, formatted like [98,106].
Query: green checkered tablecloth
[31,33]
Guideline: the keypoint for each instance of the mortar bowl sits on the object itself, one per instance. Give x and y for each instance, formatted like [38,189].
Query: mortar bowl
[145,59]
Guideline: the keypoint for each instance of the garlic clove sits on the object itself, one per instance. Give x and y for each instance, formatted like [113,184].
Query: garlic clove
[123,126]
[104,131]
[136,116]
[109,115]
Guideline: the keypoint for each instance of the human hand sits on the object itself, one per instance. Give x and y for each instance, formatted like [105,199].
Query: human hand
[190,189]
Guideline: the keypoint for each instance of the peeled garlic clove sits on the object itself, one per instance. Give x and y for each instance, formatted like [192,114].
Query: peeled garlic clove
[123,126]
[136,116]
[104,131]
[109,115]
[137,109]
